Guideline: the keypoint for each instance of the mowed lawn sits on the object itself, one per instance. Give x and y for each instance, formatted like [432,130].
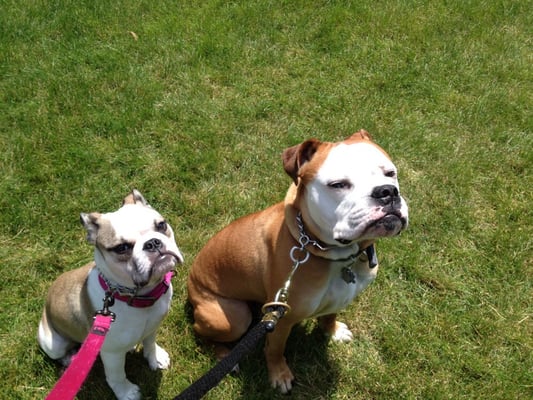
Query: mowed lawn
[193,102]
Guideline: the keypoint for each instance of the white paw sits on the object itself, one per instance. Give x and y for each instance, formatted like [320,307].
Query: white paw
[342,333]
[284,386]
[282,379]
[126,390]
[158,359]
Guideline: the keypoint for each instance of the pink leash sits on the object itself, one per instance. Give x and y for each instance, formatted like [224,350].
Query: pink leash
[70,382]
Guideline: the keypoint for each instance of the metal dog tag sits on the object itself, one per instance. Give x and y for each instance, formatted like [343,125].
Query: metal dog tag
[348,275]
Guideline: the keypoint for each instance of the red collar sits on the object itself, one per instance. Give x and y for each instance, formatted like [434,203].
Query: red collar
[143,301]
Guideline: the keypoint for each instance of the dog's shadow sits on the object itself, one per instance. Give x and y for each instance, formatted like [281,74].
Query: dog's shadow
[306,353]
[137,371]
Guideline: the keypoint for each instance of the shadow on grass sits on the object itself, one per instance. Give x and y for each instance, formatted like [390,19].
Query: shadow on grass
[137,371]
[315,373]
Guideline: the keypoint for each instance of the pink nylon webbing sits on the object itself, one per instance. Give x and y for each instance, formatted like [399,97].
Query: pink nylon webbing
[70,382]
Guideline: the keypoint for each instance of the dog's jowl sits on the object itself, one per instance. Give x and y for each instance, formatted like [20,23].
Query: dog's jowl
[134,252]
[344,196]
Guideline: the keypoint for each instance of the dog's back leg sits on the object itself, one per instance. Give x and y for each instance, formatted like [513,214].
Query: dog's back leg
[221,320]
[53,344]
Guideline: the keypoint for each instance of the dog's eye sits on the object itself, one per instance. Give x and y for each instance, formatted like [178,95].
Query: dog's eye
[122,248]
[161,226]
[390,174]
[343,184]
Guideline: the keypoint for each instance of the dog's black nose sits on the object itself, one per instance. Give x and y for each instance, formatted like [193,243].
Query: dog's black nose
[386,194]
[153,245]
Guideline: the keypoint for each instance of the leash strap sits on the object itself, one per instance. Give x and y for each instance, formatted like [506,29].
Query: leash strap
[212,378]
[70,382]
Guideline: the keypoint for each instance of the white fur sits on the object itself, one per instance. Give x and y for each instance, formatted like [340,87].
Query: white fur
[338,294]
[345,213]
[136,224]
[342,334]
[131,327]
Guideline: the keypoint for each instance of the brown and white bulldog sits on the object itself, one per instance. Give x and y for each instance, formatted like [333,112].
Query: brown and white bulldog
[347,195]
[135,253]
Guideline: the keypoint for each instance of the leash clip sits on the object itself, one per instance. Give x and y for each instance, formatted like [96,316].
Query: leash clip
[273,312]
[108,300]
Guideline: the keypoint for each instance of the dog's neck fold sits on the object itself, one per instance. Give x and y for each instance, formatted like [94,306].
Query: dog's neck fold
[326,250]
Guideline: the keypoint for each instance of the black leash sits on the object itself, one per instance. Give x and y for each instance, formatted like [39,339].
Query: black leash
[272,313]
[213,377]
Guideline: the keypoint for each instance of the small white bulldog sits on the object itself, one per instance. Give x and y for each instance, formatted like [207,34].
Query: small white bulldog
[344,196]
[135,253]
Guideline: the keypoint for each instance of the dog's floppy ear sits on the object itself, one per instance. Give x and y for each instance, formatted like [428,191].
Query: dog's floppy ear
[296,156]
[361,135]
[135,197]
[90,222]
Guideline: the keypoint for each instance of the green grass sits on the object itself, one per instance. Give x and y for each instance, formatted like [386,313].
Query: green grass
[195,114]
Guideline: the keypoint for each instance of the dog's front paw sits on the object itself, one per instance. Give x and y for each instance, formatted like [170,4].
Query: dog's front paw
[281,377]
[341,333]
[126,390]
[158,358]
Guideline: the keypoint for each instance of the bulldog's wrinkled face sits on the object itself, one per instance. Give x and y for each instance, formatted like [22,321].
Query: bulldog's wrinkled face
[134,246]
[354,195]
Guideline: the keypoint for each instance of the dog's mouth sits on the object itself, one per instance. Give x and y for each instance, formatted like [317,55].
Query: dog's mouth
[166,258]
[161,263]
[389,225]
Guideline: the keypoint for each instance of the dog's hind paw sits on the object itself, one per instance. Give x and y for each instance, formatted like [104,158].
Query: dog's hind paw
[67,358]
[342,333]
[158,359]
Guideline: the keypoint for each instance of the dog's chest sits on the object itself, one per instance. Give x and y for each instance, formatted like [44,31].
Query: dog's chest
[132,324]
[344,283]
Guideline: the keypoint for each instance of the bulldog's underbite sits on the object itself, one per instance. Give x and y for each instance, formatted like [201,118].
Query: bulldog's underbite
[134,254]
[343,197]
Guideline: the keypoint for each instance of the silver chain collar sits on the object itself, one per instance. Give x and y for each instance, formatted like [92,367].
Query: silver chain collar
[299,255]
[116,288]
[304,238]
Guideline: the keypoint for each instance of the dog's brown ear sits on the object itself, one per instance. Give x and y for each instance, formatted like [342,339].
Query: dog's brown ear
[90,222]
[135,197]
[361,135]
[296,156]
